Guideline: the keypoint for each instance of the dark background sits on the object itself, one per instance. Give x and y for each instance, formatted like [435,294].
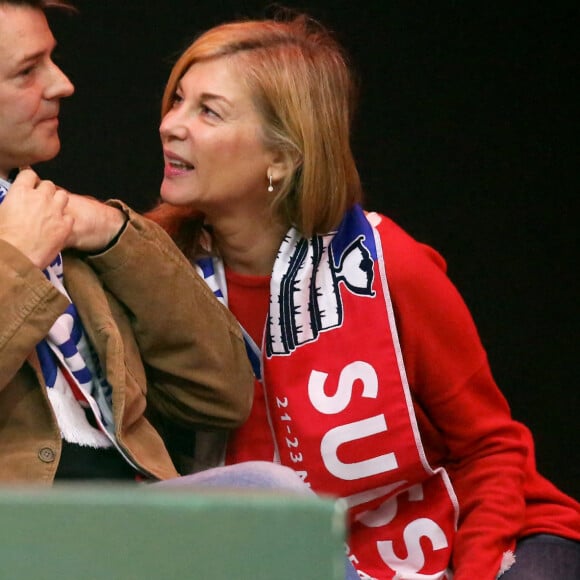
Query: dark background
[464,136]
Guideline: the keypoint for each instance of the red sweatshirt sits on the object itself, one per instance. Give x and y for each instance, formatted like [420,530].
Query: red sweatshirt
[463,418]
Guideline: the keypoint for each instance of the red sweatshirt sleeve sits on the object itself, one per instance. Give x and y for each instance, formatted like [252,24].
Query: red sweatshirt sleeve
[464,420]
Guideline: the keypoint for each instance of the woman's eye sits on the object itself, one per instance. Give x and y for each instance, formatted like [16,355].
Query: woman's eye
[176,99]
[205,110]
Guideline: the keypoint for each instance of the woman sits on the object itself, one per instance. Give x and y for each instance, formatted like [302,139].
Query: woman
[371,381]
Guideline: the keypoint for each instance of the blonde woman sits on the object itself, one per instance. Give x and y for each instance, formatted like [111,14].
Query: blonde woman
[371,380]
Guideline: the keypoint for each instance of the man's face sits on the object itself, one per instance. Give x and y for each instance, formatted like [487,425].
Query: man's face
[31,86]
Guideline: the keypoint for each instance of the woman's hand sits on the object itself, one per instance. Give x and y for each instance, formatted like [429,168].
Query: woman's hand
[95,224]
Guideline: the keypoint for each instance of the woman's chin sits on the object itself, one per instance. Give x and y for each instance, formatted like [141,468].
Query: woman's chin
[172,195]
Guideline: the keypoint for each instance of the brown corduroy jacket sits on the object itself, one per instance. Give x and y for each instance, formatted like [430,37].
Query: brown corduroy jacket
[166,345]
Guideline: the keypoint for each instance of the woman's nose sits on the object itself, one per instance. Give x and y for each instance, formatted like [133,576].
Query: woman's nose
[172,127]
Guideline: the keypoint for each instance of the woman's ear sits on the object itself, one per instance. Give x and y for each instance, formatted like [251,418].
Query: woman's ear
[283,164]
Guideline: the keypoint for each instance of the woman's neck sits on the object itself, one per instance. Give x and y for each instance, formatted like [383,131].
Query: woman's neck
[249,247]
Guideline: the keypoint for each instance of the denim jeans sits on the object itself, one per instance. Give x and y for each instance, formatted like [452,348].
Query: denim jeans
[545,557]
[250,474]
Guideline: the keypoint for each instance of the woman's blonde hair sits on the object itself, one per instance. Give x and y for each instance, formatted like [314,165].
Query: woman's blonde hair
[303,90]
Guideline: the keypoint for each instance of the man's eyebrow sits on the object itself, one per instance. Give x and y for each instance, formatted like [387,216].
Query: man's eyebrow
[34,56]
[27,58]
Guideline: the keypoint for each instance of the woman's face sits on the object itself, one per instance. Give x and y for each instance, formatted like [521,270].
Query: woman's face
[212,145]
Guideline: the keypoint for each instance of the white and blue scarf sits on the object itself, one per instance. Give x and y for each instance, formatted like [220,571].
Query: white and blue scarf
[69,364]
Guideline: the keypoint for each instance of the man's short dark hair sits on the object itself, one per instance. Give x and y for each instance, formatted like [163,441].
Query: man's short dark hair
[39,4]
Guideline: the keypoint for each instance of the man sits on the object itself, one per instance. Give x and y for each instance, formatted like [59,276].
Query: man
[105,329]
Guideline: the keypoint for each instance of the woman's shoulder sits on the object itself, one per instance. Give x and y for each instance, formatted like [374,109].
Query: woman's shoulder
[405,257]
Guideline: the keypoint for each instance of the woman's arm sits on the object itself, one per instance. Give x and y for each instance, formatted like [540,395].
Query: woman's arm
[471,432]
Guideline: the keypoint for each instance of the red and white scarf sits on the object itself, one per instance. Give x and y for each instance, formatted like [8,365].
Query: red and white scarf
[338,402]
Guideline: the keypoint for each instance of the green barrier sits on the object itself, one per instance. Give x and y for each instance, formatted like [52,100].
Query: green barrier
[139,533]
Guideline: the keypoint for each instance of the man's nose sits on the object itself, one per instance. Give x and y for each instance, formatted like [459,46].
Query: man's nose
[59,85]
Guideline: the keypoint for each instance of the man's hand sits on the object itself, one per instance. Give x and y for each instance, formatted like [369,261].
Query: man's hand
[95,224]
[33,218]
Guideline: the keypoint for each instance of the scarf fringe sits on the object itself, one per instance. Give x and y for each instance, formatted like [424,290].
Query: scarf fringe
[72,420]
[444,575]
[507,561]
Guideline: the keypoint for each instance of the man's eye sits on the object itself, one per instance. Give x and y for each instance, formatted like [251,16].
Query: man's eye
[26,71]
